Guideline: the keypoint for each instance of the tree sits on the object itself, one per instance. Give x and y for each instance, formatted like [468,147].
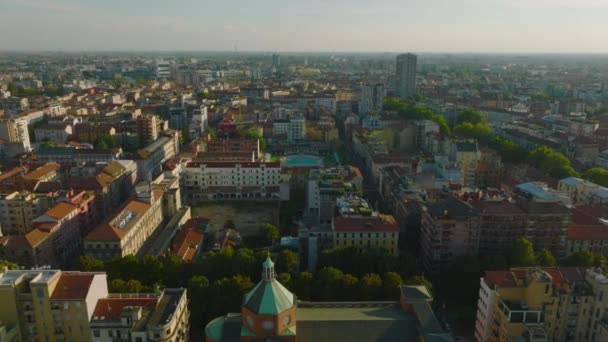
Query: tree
[198,291]
[508,150]
[268,234]
[122,286]
[327,283]
[391,282]
[420,280]
[597,175]
[284,278]
[8,264]
[545,258]
[522,254]
[88,264]
[470,130]
[287,261]
[472,116]
[370,286]
[552,162]
[314,133]
[302,285]
[459,283]
[586,258]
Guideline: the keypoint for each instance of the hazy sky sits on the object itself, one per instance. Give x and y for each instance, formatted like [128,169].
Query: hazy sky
[306,25]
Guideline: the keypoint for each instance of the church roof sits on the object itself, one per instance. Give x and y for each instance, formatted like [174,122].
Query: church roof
[269,298]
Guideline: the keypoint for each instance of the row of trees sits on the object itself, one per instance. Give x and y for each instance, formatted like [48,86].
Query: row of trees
[218,280]
[415,112]
[472,124]
[551,162]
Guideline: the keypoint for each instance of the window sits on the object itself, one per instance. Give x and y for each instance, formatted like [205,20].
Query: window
[96,333]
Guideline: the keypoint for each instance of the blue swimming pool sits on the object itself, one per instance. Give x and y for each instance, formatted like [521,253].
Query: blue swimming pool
[302,160]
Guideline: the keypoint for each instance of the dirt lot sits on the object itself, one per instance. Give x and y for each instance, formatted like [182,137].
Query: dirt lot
[247,216]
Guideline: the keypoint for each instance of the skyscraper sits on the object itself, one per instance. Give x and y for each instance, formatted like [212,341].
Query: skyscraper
[276,60]
[406,75]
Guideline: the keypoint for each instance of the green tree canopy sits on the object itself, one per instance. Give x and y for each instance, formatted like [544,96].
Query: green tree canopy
[545,258]
[420,280]
[552,162]
[586,258]
[471,116]
[522,253]
[597,175]
[88,264]
[370,286]
[8,264]
[286,261]
[268,234]
[391,281]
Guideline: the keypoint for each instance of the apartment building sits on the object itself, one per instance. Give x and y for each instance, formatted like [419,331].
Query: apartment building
[588,229]
[583,191]
[55,238]
[53,305]
[150,158]
[141,317]
[49,305]
[232,181]
[234,145]
[448,228]
[148,128]
[126,230]
[292,129]
[17,210]
[542,304]
[58,133]
[364,233]
[15,130]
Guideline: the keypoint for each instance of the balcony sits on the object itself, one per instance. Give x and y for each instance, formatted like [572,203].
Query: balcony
[519,313]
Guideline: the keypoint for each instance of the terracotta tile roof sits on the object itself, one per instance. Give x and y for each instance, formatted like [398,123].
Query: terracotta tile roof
[104,179]
[186,243]
[72,286]
[61,210]
[114,169]
[111,308]
[36,236]
[366,224]
[107,232]
[499,278]
[42,171]
[12,173]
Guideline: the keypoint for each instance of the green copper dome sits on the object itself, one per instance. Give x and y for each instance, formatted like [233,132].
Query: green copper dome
[269,297]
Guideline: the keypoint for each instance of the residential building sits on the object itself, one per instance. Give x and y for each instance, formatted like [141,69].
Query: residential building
[541,192]
[501,222]
[16,131]
[138,317]
[363,233]
[69,154]
[55,238]
[371,99]
[57,133]
[466,154]
[163,69]
[546,225]
[406,75]
[588,229]
[235,145]
[448,228]
[14,105]
[292,129]
[50,305]
[150,158]
[542,304]
[148,129]
[583,191]
[271,312]
[127,229]
[92,132]
[232,181]
[17,210]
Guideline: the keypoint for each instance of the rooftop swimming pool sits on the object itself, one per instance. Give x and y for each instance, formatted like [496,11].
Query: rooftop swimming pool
[302,160]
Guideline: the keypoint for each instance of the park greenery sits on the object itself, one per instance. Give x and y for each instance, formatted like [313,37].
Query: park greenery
[252,133]
[415,112]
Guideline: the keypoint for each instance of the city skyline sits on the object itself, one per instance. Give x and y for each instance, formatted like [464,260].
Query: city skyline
[536,26]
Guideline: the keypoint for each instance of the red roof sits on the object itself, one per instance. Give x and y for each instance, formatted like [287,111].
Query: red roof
[500,278]
[186,243]
[112,307]
[72,286]
[360,224]
[587,232]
